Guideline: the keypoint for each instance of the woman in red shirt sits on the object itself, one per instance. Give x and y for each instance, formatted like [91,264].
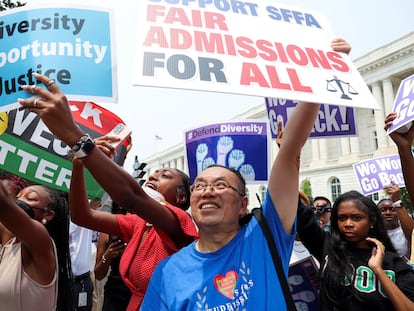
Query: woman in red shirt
[157,226]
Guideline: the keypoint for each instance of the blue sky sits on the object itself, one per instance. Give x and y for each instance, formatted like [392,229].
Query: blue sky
[366,24]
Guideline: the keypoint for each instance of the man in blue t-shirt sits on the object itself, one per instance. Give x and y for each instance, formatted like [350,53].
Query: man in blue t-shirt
[230,266]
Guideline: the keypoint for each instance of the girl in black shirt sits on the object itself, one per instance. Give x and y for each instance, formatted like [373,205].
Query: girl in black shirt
[360,269]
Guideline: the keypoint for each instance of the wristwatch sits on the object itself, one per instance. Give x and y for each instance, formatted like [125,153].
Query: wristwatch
[396,204]
[82,147]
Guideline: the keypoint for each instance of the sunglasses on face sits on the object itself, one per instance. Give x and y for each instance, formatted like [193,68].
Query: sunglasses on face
[320,209]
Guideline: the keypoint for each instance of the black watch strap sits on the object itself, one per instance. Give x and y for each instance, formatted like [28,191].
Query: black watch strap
[83,147]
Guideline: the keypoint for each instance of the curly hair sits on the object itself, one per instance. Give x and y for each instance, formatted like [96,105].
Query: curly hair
[339,267]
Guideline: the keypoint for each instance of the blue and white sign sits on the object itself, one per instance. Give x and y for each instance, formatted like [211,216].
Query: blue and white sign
[71,45]
[243,146]
[332,121]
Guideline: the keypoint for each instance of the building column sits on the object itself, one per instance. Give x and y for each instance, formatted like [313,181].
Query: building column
[379,117]
[323,149]
[345,148]
[354,142]
[180,163]
[388,96]
[315,150]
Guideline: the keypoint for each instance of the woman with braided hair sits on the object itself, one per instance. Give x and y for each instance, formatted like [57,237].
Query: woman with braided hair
[35,270]
[13,182]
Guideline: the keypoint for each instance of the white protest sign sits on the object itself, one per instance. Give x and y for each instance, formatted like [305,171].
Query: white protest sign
[403,106]
[255,48]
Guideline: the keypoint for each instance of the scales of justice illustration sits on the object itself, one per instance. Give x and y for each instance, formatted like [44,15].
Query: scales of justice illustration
[336,84]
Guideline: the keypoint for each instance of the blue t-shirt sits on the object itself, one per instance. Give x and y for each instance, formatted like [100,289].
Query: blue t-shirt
[239,276]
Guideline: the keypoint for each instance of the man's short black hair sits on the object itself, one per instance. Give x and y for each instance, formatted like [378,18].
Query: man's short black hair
[242,181]
[320,197]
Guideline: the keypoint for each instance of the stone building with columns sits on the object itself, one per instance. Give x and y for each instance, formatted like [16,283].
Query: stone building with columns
[327,163]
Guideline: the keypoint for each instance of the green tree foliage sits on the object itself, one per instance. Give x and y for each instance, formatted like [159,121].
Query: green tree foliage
[406,201]
[306,187]
[8,4]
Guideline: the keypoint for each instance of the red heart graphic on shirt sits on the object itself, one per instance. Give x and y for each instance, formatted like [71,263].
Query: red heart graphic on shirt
[226,284]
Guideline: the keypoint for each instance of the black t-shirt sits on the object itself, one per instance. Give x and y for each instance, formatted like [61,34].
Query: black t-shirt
[367,291]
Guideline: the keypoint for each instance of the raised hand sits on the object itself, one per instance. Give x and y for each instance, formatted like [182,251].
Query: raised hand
[340,45]
[393,191]
[377,255]
[106,144]
[402,140]
[236,158]
[201,153]
[224,146]
[247,172]
[207,162]
[52,107]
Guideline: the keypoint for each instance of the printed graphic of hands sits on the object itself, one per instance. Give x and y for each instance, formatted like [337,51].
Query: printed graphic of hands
[306,296]
[247,172]
[207,162]
[303,297]
[225,153]
[201,153]
[224,146]
[301,306]
[236,158]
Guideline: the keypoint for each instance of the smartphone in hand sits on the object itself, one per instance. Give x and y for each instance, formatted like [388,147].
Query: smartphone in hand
[122,131]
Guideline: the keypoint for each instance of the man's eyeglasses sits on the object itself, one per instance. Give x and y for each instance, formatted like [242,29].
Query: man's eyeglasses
[217,186]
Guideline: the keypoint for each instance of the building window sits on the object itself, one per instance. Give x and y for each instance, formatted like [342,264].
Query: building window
[374,197]
[335,188]
[376,140]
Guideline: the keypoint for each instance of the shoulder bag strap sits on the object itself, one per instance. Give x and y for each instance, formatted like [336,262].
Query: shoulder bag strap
[257,212]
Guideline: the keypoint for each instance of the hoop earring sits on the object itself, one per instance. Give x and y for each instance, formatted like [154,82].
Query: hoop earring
[44,221]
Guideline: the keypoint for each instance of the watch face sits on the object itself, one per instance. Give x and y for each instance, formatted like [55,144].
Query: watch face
[83,149]
[88,146]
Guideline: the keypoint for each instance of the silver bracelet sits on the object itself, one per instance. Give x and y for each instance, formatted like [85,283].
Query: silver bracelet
[82,147]
[396,203]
